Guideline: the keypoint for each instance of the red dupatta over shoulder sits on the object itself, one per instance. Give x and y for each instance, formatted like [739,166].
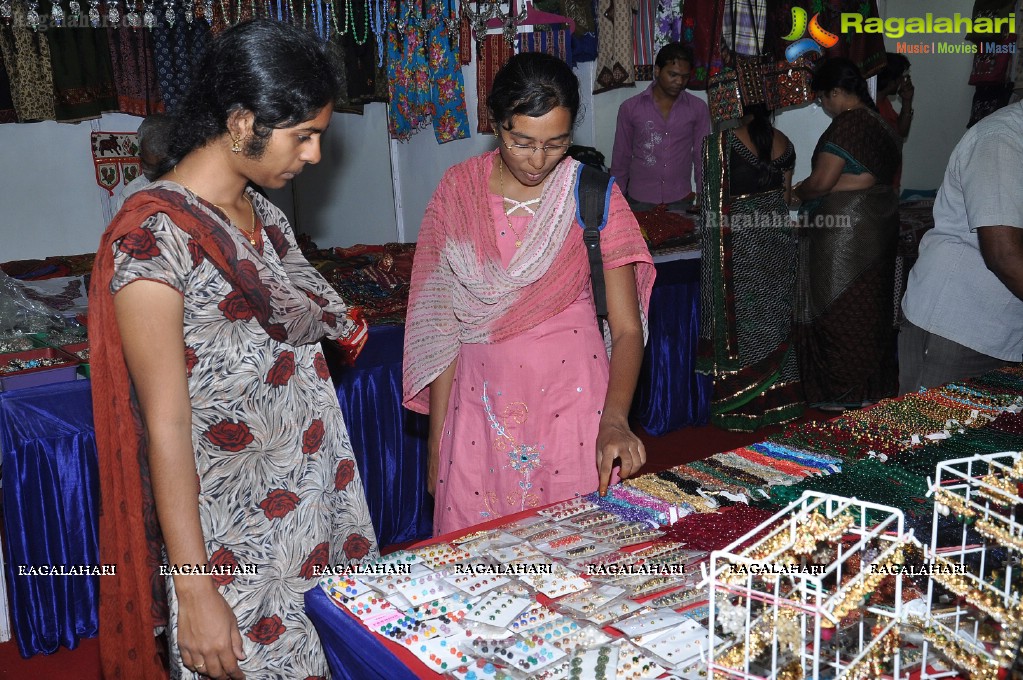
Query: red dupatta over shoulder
[134,601]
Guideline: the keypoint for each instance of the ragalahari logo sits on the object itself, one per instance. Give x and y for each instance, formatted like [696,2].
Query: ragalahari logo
[818,41]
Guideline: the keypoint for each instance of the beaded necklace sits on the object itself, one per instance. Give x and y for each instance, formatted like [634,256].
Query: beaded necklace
[378,12]
[507,217]
[250,234]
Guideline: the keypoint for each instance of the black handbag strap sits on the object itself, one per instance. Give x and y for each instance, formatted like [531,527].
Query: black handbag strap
[592,197]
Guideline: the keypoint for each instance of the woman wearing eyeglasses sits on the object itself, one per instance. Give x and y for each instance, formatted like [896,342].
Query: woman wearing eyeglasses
[502,346]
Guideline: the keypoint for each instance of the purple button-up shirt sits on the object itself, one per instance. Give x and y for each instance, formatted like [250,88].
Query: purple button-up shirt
[654,157]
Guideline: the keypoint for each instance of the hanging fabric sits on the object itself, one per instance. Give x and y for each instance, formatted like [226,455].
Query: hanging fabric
[702,22]
[667,23]
[495,53]
[175,50]
[615,61]
[134,72]
[555,41]
[643,39]
[7,112]
[743,25]
[83,78]
[116,157]
[423,77]
[27,60]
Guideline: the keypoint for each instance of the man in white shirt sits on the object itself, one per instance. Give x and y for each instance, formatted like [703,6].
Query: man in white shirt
[964,301]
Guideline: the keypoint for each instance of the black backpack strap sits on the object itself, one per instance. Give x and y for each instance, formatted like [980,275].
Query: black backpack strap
[592,198]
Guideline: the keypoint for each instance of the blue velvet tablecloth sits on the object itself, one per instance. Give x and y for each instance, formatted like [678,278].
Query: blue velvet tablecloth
[670,395]
[51,499]
[353,652]
[50,486]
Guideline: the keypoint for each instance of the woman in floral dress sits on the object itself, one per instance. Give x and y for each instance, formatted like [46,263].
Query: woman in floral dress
[222,446]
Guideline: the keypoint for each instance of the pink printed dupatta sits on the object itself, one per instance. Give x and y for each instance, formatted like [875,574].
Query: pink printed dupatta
[462,293]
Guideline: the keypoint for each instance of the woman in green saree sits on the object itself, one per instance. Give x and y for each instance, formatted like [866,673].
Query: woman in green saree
[748,276]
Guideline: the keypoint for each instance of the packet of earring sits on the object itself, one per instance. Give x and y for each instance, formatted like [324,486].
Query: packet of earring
[476,583]
[629,537]
[679,599]
[583,637]
[385,583]
[497,609]
[559,545]
[536,615]
[570,508]
[636,664]
[442,554]
[496,540]
[549,534]
[678,647]
[526,654]
[427,588]
[516,553]
[589,600]
[590,520]
[527,526]
[653,621]
[611,557]
[454,608]
[482,669]
[555,581]
[582,551]
[341,589]
[611,530]
[441,654]
[612,612]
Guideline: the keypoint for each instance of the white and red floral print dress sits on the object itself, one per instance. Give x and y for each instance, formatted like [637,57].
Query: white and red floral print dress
[279,489]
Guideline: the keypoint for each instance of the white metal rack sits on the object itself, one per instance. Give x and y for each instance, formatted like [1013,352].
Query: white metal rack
[980,491]
[801,614]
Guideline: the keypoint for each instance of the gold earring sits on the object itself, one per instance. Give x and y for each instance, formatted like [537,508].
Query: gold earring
[236,144]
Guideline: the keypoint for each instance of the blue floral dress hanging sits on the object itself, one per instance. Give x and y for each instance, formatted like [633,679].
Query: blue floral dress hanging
[424,79]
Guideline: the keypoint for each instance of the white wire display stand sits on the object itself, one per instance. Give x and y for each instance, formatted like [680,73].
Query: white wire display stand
[801,624]
[981,492]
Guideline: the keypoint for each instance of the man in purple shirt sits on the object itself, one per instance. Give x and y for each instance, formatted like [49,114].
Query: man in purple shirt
[659,136]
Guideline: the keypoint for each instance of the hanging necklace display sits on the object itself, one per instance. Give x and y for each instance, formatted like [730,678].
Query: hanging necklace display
[57,14]
[32,17]
[225,12]
[319,28]
[75,11]
[378,12]
[207,11]
[511,23]
[132,18]
[113,13]
[485,11]
[6,12]
[451,23]
[427,21]
[148,15]
[189,6]
[94,17]
[169,16]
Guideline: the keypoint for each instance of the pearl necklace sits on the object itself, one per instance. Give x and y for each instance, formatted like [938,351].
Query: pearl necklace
[249,233]
[507,218]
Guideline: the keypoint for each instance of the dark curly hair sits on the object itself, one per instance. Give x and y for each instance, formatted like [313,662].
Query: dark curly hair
[282,74]
[533,84]
[841,73]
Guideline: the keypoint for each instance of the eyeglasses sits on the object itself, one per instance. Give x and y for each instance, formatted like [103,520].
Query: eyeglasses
[549,150]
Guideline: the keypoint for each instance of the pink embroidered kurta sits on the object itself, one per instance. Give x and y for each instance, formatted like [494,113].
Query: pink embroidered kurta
[521,425]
